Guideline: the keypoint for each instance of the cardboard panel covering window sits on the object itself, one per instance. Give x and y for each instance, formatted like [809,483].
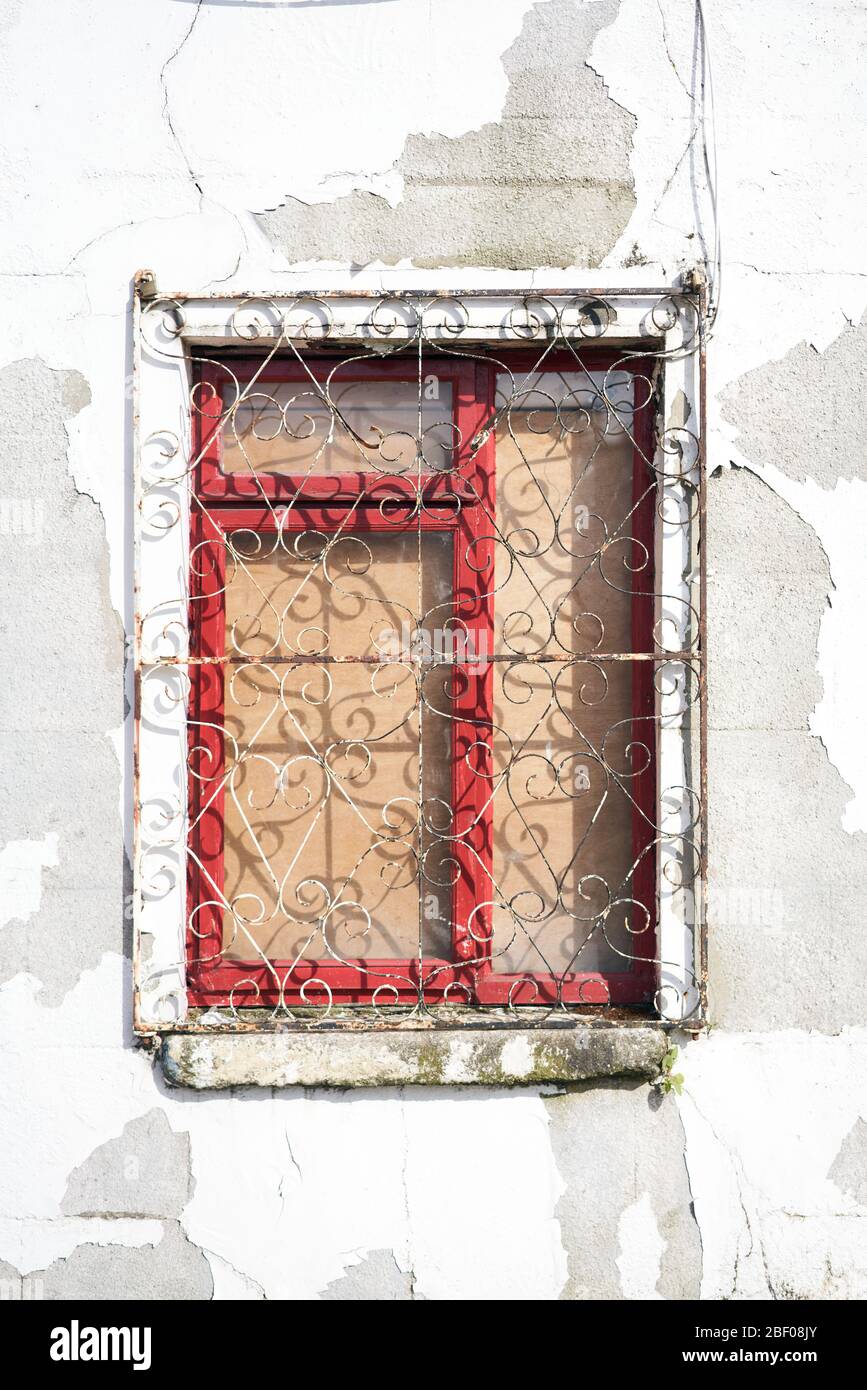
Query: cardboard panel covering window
[568,578]
[421,749]
[321,826]
[290,429]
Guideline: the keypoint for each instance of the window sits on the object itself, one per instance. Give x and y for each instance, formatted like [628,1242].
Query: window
[426,702]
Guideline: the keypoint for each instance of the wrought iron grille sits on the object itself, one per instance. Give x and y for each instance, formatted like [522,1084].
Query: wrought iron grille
[418,658]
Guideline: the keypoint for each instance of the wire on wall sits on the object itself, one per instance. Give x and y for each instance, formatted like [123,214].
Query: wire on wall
[707,126]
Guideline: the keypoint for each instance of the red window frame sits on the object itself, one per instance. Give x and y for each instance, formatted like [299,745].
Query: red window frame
[460,503]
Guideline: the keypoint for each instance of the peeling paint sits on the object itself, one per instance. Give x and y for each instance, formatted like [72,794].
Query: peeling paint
[169,1268]
[751,1181]
[144,1172]
[641,1250]
[800,423]
[61,657]
[849,1169]
[548,184]
[618,1151]
[21,865]
[785,945]
[375,1278]
[805,413]
[360,81]
[765,1116]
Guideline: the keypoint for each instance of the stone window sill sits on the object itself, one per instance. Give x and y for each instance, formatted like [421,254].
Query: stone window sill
[412,1057]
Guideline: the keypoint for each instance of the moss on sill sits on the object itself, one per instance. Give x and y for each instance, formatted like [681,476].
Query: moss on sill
[448,1056]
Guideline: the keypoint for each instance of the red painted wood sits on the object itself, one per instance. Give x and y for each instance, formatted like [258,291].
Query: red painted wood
[205,746]
[363,502]
[215,391]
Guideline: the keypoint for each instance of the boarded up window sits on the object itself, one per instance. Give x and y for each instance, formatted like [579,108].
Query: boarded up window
[422,747]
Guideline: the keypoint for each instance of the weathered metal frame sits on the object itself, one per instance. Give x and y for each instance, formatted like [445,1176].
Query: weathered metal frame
[643,321]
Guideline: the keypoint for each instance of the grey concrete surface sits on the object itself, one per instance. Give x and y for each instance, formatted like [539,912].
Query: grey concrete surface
[549,184]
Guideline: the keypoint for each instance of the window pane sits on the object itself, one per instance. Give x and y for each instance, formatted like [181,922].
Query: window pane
[569,563]
[568,567]
[323,835]
[372,427]
[563,818]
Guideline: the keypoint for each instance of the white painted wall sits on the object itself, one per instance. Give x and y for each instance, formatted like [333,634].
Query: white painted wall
[147,136]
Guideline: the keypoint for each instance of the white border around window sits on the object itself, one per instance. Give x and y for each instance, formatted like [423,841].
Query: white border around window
[364,308]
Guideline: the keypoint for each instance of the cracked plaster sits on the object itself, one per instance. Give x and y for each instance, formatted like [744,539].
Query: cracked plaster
[766,1115]
[547,184]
